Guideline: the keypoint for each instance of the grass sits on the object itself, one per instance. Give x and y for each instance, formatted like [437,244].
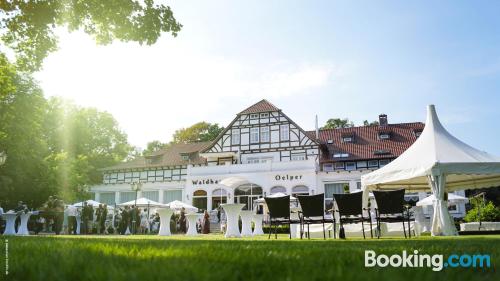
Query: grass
[211,257]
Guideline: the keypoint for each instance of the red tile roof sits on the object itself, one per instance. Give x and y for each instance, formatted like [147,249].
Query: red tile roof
[366,141]
[261,106]
[168,157]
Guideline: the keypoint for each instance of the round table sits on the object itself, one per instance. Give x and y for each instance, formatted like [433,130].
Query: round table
[232,214]
[246,223]
[192,219]
[257,224]
[9,225]
[165,215]
[23,226]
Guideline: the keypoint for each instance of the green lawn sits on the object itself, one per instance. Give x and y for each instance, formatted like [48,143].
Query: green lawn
[211,257]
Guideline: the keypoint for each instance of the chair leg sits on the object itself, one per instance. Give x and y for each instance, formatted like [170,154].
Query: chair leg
[363,227]
[290,228]
[276,231]
[378,228]
[404,227]
[334,229]
[409,225]
[324,233]
[308,232]
[270,229]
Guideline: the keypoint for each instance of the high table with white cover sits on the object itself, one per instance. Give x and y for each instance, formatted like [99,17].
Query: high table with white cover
[257,224]
[10,219]
[232,214]
[165,215]
[23,226]
[246,223]
[192,219]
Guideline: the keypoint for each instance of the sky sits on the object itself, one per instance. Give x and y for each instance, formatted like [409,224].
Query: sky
[346,59]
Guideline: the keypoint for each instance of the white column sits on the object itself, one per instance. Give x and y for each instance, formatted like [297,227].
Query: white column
[160,195]
[117,197]
[209,201]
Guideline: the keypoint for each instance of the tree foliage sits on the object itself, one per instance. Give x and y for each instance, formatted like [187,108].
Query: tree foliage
[52,146]
[199,132]
[373,123]
[482,211]
[28,26]
[154,146]
[337,123]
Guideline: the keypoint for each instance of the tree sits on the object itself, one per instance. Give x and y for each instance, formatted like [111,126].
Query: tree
[337,123]
[28,26]
[373,123]
[154,146]
[199,132]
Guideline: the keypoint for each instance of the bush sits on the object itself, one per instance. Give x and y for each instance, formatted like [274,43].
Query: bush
[487,213]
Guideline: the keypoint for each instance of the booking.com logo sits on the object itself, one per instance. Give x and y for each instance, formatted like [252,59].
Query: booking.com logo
[436,262]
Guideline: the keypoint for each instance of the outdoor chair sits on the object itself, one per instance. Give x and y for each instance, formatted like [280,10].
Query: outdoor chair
[391,208]
[279,214]
[313,212]
[350,209]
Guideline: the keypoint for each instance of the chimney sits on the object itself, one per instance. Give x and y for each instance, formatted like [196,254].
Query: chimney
[317,129]
[382,120]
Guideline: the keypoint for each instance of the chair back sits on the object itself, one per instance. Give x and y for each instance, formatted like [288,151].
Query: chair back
[312,205]
[350,204]
[279,207]
[390,202]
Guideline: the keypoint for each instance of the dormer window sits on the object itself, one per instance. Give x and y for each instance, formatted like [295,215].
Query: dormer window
[340,155]
[329,141]
[417,133]
[384,136]
[185,157]
[348,139]
[381,152]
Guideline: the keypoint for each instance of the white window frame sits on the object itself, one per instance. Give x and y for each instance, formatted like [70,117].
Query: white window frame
[373,164]
[347,164]
[264,134]
[384,136]
[328,167]
[254,135]
[347,139]
[285,132]
[298,157]
[254,116]
[235,136]
[386,161]
[264,115]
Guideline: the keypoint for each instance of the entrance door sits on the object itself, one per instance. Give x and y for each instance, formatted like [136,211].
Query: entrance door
[216,201]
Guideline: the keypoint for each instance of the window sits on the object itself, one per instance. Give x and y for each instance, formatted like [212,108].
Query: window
[350,166]
[373,163]
[264,115]
[264,134]
[255,160]
[235,136]
[339,166]
[127,196]
[330,189]
[284,132]
[327,167]
[185,157]
[254,116]
[151,195]
[300,190]
[277,189]
[254,135]
[298,157]
[361,164]
[384,162]
[340,155]
[384,136]
[348,139]
[453,208]
[358,185]
[107,198]
[172,195]
[200,199]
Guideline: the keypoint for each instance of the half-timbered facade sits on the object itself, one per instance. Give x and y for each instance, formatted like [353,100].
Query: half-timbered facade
[269,153]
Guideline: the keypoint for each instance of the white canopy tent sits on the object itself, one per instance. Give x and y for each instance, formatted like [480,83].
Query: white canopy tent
[143,202]
[275,195]
[452,198]
[440,162]
[94,204]
[178,205]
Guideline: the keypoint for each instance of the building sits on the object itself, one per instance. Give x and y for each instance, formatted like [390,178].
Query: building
[271,152]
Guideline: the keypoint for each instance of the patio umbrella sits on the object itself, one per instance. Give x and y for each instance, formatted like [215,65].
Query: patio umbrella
[143,202]
[94,204]
[178,205]
[453,198]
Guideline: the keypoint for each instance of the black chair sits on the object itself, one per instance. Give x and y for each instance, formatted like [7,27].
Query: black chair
[390,208]
[279,213]
[350,209]
[313,212]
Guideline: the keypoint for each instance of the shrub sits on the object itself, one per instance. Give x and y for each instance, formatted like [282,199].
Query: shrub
[489,212]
